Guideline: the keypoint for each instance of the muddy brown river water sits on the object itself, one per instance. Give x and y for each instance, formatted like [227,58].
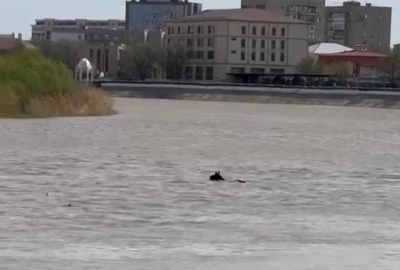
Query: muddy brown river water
[323,188]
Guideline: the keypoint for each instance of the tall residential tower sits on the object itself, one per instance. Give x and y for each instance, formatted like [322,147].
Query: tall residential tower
[353,25]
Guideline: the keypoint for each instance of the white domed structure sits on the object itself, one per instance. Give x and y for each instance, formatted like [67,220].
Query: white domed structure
[84,71]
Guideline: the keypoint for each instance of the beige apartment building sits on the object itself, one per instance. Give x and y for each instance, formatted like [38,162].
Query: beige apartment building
[229,45]
[311,11]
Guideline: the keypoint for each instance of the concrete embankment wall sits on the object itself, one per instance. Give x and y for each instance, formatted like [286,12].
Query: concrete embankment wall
[338,97]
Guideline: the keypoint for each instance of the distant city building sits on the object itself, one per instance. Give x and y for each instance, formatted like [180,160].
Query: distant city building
[43,29]
[396,48]
[151,15]
[102,47]
[359,62]
[9,42]
[312,11]
[238,44]
[353,24]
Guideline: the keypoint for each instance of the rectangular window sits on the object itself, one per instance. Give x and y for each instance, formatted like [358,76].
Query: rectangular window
[283,32]
[200,55]
[273,44]
[190,42]
[254,43]
[254,30]
[263,31]
[262,44]
[211,42]
[179,30]
[243,30]
[199,73]
[200,42]
[211,29]
[233,52]
[282,44]
[106,59]
[282,57]
[169,30]
[173,30]
[91,55]
[273,31]
[190,30]
[200,29]
[169,41]
[262,56]
[189,55]
[189,73]
[243,56]
[209,73]
[253,56]
[210,55]
[272,57]
[243,43]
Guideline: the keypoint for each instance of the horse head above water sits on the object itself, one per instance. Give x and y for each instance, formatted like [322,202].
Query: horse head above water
[217,177]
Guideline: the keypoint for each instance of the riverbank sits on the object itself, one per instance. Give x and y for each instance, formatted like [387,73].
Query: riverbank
[34,86]
[344,97]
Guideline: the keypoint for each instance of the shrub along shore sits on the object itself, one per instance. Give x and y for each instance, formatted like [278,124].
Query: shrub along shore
[34,86]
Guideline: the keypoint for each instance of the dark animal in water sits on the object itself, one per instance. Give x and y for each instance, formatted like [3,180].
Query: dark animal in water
[217,177]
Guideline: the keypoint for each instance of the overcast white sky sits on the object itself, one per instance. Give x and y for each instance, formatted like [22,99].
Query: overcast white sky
[18,15]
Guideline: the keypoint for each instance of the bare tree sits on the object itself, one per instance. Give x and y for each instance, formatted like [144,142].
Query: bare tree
[390,66]
[137,60]
[308,65]
[63,51]
[175,60]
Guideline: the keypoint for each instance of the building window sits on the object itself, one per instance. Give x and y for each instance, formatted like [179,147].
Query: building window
[283,32]
[243,43]
[233,52]
[243,56]
[190,30]
[211,42]
[189,73]
[179,30]
[106,58]
[272,57]
[254,43]
[91,55]
[262,56]
[262,44]
[170,30]
[233,39]
[273,31]
[209,73]
[263,31]
[243,30]
[200,55]
[282,44]
[210,55]
[200,29]
[253,56]
[199,73]
[98,60]
[282,57]
[190,42]
[200,42]
[254,30]
[211,29]
[189,54]
[169,41]
[273,44]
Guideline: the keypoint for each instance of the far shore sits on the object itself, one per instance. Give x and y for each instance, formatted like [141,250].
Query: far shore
[353,98]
